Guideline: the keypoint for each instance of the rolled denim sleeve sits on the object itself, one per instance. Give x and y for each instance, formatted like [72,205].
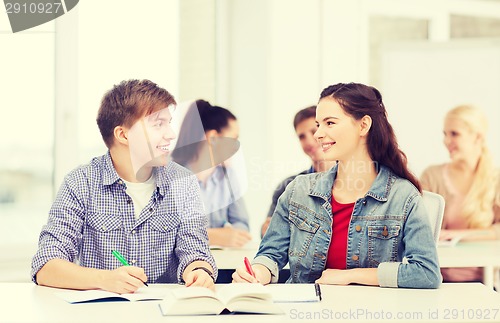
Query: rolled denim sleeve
[387,274]
[270,265]
[192,237]
[421,268]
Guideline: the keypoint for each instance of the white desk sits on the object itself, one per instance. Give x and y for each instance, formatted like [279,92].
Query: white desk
[484,254]
[26,302]
[465,254]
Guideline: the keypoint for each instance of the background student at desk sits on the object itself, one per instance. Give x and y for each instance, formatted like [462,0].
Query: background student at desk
[131,199]
[305,126]
[469,183]
[356,222]
[208,136]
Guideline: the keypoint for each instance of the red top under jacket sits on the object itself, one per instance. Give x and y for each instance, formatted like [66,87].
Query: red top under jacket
[337,252]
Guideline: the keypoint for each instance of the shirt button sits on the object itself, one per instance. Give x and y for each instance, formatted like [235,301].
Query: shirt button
[133,261]
[133,232]
[358,228]
[104,227]
[355,257]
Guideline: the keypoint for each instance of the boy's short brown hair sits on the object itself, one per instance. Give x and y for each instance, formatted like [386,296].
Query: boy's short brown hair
[309,112]
[128,101]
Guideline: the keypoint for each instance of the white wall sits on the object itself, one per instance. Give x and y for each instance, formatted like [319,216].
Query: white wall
[281,55]
[422,81]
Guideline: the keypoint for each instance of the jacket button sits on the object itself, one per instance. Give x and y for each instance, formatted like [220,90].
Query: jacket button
[355,257]
[358,228]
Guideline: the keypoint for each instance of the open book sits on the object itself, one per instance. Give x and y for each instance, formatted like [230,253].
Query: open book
[456,239]
[142,294]
[243,298]
[449,242]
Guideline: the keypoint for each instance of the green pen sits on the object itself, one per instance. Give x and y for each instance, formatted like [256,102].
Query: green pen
[122,260]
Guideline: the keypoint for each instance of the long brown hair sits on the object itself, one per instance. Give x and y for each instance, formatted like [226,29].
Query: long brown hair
[359,100]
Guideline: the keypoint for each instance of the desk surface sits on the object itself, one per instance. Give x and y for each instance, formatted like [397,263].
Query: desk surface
[470,254]
[26,302]
[464,254]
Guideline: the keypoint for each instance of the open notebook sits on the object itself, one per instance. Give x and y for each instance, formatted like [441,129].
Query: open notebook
[85,296]
[453,242]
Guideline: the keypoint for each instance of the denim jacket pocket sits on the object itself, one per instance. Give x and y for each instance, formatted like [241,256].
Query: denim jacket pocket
[382,244]
[303,226]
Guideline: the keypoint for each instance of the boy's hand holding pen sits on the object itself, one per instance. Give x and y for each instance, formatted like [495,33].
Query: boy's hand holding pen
[124,262]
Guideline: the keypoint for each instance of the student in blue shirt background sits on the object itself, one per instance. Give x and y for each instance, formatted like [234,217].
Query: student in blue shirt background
[133,200]
[388,239]
[208,136]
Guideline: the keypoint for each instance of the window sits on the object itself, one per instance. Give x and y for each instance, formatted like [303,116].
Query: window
[26,144]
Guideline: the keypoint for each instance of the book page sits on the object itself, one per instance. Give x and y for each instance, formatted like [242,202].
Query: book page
[147,293]
[231,292]
[254,305]
[243,298]
[293,293]
[78,296]
[193,292]
[453,241]
[191,301]
[448,243]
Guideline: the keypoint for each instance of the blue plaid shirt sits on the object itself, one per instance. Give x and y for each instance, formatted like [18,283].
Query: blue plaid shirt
[92,215]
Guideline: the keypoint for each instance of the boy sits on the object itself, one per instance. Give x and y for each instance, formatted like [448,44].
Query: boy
[305,126]
[132,200]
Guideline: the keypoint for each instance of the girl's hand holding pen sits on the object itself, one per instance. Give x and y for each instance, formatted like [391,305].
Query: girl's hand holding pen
[261,274]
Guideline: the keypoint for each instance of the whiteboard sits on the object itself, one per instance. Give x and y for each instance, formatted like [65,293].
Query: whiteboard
[421,81]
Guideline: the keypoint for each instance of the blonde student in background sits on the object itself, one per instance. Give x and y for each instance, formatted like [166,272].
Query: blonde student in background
[132,201]
[305,126]
[469,183]
[361,222]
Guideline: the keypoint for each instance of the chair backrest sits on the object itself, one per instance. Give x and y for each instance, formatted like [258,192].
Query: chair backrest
[434,203]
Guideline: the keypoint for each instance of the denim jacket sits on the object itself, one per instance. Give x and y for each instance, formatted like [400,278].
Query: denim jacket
[389,230]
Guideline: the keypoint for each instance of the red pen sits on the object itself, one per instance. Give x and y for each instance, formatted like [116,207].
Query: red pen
[249,267]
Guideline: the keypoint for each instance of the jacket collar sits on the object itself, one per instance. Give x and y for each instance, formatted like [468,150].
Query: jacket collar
[321,186]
